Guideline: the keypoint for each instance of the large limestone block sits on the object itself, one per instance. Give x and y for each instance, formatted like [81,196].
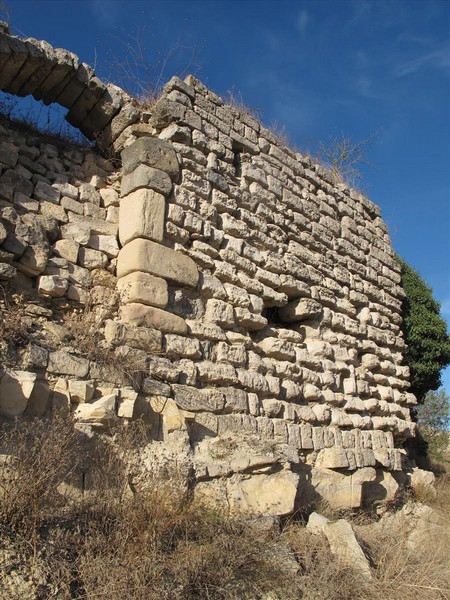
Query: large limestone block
[384,487]
[299,310]
[149,257]
[193,399]
[39,401]
[141,215]
[339,489]
[146,177]
[153,152]
[266,495]
[144,289]
[143,338]
[148,316]
[16,388]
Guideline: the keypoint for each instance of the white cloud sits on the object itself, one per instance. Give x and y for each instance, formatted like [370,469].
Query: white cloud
[302,20]
[105,11]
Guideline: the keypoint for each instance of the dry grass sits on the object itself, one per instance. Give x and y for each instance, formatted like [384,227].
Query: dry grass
[15,328]
[74,525]
[116,541]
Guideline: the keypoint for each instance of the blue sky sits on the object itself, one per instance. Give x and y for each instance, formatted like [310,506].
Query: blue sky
[313,68]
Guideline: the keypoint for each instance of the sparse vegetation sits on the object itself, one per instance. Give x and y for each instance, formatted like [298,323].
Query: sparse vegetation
[343,157]
[74,525]
[433,417]
[15,327]
[113,540]
[35,117]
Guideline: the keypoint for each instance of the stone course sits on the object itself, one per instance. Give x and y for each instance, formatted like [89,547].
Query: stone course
[261,298]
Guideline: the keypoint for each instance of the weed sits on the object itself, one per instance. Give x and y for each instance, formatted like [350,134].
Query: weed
[343,157]
[236,101]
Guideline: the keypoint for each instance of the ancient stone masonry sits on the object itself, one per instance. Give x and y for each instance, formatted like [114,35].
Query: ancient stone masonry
[262,297]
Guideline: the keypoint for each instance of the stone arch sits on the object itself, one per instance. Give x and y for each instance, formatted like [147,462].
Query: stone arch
[101,111]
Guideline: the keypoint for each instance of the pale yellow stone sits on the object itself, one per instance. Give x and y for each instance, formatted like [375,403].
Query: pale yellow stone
[143,288]
[15,390]
[149,257]
[141,315]
[141,215]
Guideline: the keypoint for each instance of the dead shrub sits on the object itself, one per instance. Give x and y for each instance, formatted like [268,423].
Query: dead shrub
[16,328]
[37,457]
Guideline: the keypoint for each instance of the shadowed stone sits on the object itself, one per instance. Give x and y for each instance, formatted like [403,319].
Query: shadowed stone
[152,152]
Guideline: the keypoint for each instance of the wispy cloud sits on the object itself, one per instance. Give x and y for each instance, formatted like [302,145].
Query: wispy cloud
[363,86]
[436,59]
[303,20]
[105,11]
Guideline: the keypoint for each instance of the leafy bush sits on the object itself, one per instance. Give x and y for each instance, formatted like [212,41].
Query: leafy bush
[425,333]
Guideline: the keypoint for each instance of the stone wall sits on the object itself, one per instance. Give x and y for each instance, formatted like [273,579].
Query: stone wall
[256,311]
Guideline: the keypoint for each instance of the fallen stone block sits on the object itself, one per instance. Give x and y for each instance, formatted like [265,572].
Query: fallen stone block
[342,541]
[16,388]
[101,413]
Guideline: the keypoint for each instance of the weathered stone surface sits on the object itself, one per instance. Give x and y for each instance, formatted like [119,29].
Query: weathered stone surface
[141,216]
[146,177]
[192,399]
[67,364]
[39,401]
[52,285]
[16,388]
[117,333]
[106,244]
[150,257]
[144,289]
[342,541]
[152,152]
[148,316]
[339,489]
[299,310]
[265,495]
